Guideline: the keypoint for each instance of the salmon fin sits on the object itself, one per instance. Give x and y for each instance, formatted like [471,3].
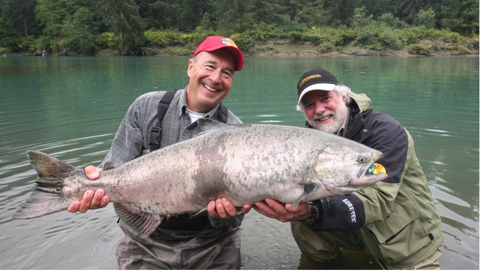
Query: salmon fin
[199,213]
[46,197]
[204,126]
[49,166]
[310,186]
[308,189]
[208,124]
[42,201]
[110,165]
[142,222]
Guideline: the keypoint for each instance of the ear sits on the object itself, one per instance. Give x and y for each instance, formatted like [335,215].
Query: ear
[190,67]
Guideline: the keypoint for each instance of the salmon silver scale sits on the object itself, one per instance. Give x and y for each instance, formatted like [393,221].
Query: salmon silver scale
[244,163]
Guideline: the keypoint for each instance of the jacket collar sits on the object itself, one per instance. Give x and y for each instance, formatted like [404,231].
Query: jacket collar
[183,105]
[360,105]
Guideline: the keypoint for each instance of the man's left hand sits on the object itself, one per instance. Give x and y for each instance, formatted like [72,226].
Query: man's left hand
[281,211]
[224,208]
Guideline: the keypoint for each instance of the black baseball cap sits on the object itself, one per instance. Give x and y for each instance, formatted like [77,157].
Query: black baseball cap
[316,79]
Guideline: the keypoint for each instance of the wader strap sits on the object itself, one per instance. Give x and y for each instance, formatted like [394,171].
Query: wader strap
[155,133]
[223,113]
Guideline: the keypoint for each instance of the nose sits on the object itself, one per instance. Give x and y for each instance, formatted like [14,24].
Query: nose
[215,76]
[319,107]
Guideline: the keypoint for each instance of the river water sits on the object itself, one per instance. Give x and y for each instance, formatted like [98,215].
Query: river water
[70,107]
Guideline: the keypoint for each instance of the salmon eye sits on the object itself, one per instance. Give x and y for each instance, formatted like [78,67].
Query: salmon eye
[363,159]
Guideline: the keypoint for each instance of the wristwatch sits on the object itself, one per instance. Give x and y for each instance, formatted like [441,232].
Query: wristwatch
[313,215]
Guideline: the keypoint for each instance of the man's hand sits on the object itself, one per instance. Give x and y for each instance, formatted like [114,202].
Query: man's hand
[224,208]
[281,211]
[91,200]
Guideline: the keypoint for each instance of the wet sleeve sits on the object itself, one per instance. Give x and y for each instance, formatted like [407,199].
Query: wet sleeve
[340,213]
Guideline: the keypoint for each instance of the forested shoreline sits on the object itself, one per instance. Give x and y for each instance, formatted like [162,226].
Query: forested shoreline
[259,27]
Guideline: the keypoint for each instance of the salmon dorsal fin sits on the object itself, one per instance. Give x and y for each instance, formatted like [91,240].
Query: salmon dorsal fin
[142,222]
[111,165]
[208,124]
[205,126]
[48,166]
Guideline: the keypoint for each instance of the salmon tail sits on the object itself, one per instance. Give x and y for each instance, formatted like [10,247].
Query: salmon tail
[142,222]
[46,197]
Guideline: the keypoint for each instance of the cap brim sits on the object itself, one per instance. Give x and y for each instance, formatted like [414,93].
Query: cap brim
[234,50]
[238,57]
[323,86]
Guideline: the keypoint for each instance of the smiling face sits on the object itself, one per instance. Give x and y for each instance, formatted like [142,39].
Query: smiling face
[325,110]
[211,76]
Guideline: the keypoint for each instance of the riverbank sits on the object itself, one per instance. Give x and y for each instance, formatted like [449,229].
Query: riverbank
[307,49]
[285,48]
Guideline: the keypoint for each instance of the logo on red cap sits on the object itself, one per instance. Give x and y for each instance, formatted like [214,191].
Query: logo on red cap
[213,43]
[228,42]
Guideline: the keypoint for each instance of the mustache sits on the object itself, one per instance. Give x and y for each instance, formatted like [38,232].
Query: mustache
[323,115]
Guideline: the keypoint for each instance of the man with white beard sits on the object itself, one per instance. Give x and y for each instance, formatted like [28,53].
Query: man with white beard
[395,220]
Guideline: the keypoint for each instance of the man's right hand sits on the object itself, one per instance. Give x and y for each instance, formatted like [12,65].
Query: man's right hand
[91,199]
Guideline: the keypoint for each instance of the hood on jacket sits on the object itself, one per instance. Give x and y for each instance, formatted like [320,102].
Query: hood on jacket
[364,103]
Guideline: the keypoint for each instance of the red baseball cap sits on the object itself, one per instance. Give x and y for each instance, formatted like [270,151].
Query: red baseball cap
[213,43]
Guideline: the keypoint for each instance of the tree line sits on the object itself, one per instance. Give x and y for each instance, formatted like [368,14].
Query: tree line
[133,26]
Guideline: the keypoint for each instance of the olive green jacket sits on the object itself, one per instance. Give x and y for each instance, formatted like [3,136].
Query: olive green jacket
[396,219]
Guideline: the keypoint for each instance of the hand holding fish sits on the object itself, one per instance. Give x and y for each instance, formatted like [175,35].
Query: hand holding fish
[281,211]
[91,199]
[224,208]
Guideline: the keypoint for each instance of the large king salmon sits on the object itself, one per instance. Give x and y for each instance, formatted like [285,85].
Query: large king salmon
[244,163]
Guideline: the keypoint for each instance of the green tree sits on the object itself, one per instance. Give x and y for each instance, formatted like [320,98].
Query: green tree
[78,25]
[193,11]
[182,15]
[273,12]
[460,16]
[9,37]
[81,29]
[360,17]
[69,25]
[164,14]
[379,7]
[290,14]
[341,11]
[426,18]
[310,13]
[19,13]
[52,14]
[391,21]
[232,15]
[408,10]
[123,18]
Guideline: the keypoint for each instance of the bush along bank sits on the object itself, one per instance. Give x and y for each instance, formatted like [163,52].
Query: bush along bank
[368,40]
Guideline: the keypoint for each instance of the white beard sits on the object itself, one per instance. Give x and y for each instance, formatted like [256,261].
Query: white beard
[338,116]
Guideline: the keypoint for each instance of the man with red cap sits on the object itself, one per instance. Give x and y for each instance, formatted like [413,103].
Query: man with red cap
[154,121]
